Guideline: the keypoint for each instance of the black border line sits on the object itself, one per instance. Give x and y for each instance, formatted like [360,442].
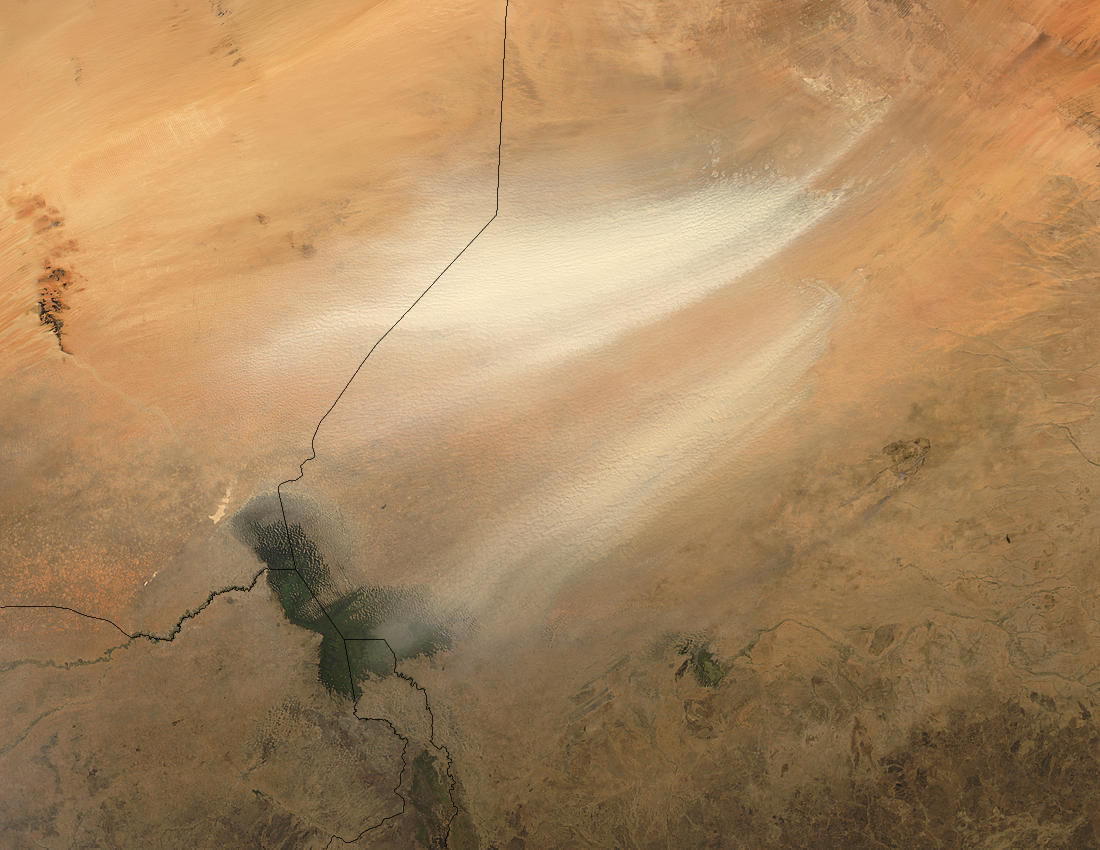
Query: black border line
[191,613]
[313,456]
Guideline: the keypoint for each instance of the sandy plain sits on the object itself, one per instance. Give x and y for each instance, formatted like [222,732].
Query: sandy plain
[743,467]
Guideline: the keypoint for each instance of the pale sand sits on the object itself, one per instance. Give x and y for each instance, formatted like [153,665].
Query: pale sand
[742,247]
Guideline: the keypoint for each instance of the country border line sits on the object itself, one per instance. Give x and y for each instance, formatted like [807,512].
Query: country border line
[313,456]
[191,613]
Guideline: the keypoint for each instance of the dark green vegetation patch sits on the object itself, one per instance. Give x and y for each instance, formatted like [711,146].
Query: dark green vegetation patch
[703,663]
[362,617]
[430,800]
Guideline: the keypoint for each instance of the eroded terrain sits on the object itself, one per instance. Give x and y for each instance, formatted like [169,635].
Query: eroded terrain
[734,488]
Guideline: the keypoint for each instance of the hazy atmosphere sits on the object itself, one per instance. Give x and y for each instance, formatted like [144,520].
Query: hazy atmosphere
[550,424]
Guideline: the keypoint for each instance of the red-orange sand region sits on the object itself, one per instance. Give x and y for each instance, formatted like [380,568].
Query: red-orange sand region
[749,453]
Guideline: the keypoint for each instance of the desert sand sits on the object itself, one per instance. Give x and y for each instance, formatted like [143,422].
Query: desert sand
[733,488]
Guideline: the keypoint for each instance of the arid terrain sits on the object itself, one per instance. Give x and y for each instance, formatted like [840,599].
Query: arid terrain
[727,480]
